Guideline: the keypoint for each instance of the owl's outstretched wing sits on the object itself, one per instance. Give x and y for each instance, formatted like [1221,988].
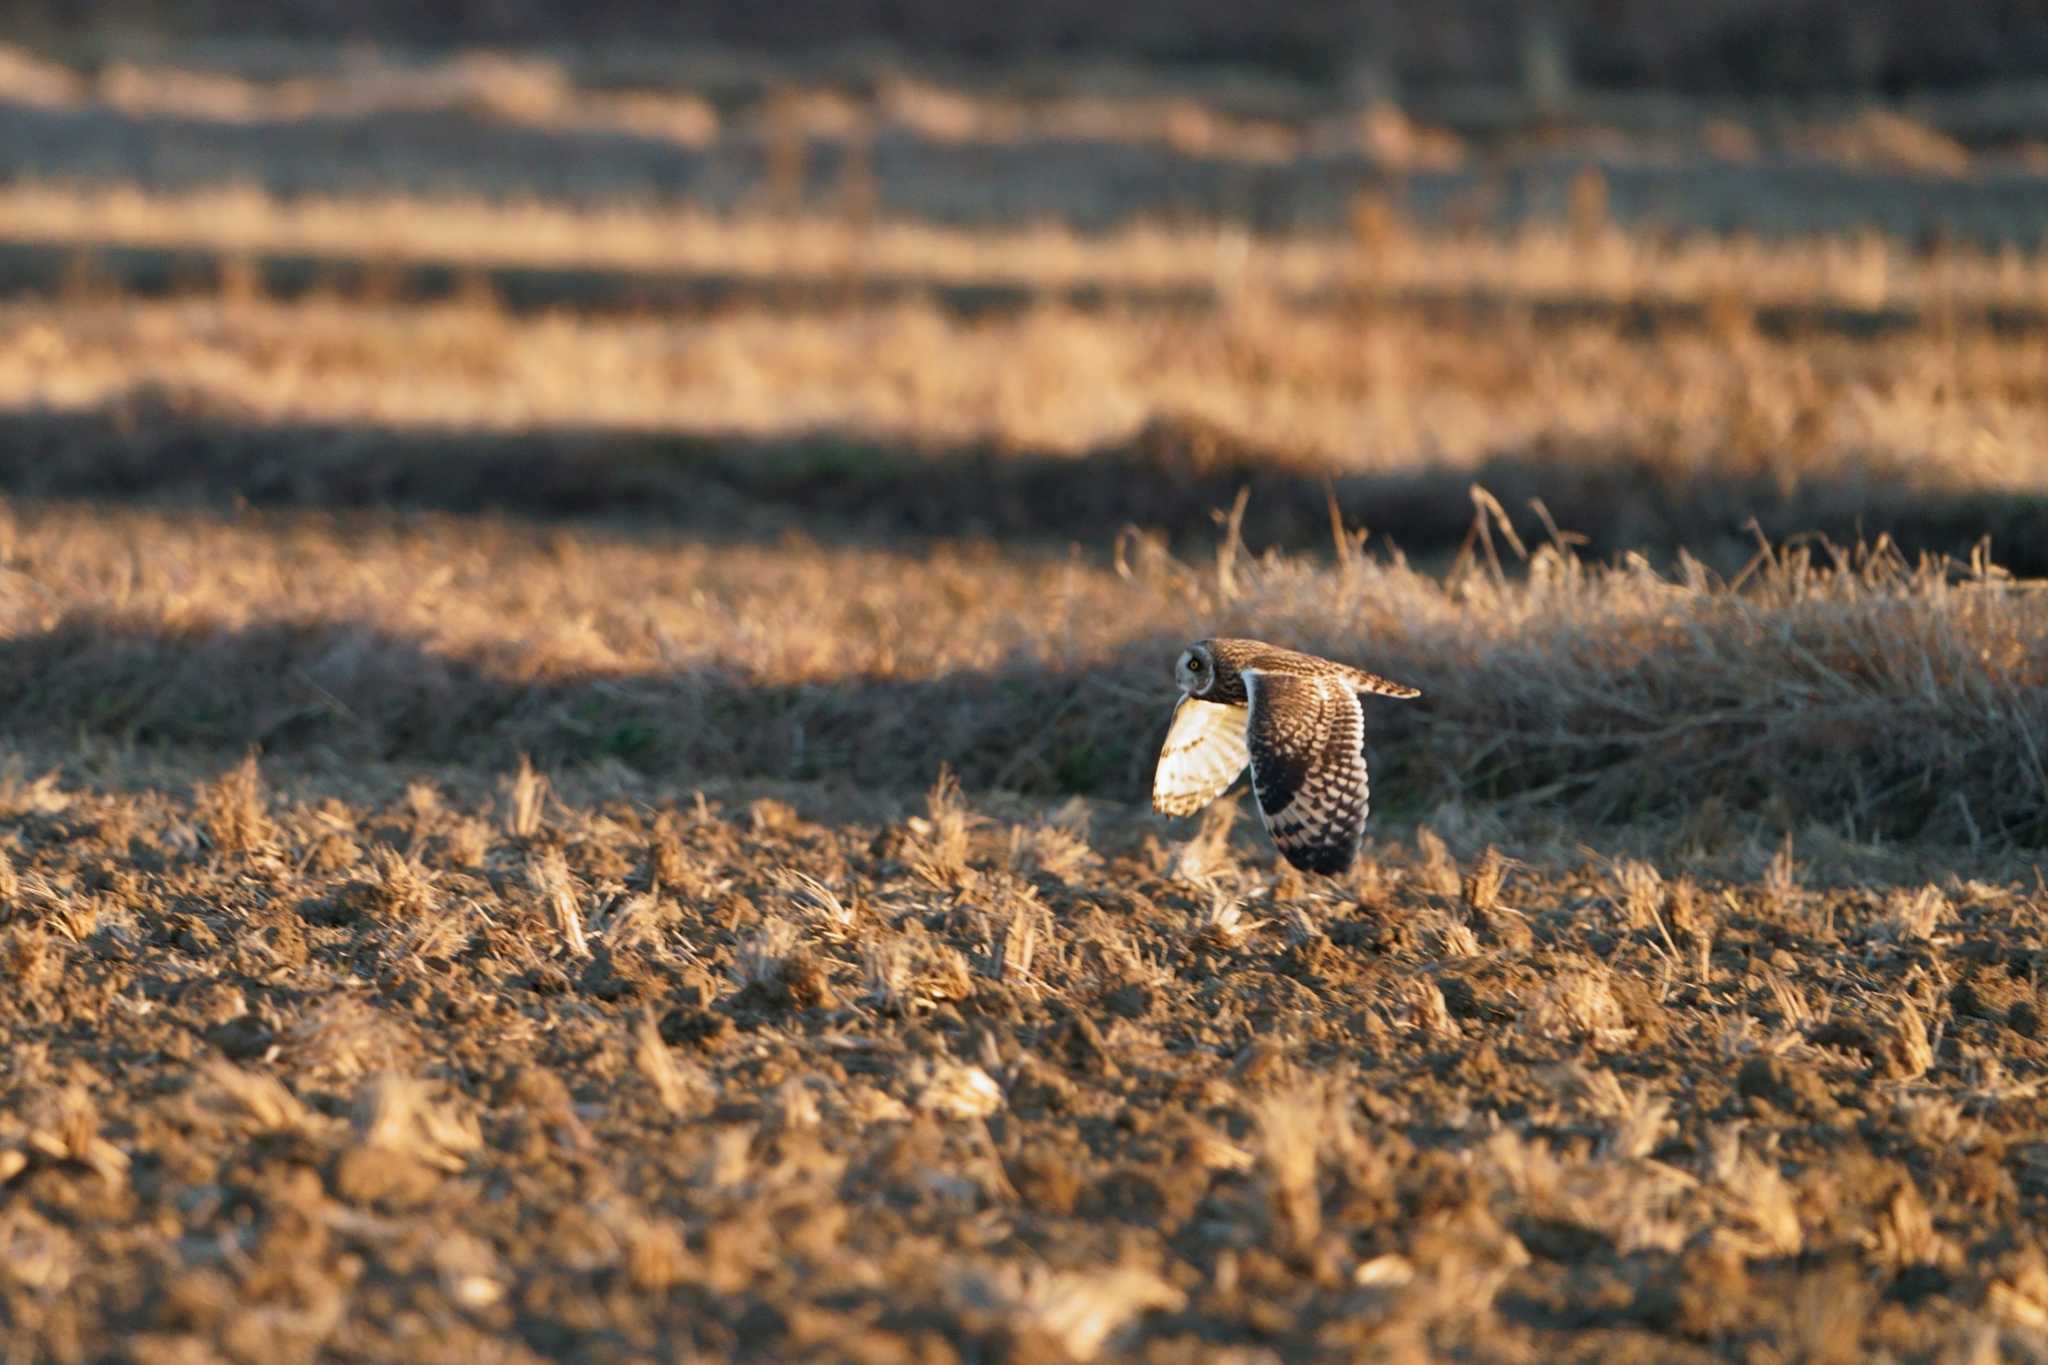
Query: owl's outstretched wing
[1203,754]
[1307,742]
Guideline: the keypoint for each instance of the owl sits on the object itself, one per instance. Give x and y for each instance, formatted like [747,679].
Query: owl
[1297,721]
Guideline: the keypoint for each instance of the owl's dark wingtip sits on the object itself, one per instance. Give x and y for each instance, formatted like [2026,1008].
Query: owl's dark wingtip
[1323,862]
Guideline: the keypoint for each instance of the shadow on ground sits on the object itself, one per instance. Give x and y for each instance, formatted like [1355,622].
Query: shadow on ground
[354,691]
[1174,477]
[42,269]
[1090,184]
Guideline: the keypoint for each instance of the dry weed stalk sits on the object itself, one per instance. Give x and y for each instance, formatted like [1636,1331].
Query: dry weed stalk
[1231,547]
[657,1065]
[959,1091]
[1456,937]
[549,875]
[1915,915]
[399,1114]
[233,808]
[939,837]
[1905,1235]
[1054,849]
[263,1099]
[1206,854]
[1482,886]
[1439,869]
[1017,948]
[341,1039]
[1425,1000]
[1077,1311]
[1641,889]
[1299,1130]
[404,890]
[526,796]
[1577,1002]
[1756,1193]
[910,973]
[1222,924]
[1640,1117]
[763,958]
[1781,877]
[70,1133]
[2020,1296]
[831,917]
[1913,1045]
[657,1254]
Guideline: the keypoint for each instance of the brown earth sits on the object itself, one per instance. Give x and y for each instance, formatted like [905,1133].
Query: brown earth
[719,1038]
[545,818]
[412,1069]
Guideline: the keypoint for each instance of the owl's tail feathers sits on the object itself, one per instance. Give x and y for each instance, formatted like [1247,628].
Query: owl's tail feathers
[1385,687]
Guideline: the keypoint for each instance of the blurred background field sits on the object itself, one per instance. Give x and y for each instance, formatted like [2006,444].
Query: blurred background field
[639,549]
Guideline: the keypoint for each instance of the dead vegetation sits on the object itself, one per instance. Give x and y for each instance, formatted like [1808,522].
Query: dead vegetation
[1845,694]
[588,832]
[1378,256]
[1377,392]
[1056,424]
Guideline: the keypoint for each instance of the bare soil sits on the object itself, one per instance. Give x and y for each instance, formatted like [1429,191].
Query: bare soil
[572,765]
[434,1072]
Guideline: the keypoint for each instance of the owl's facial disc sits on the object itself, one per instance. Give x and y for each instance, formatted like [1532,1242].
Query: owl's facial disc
[1196,672]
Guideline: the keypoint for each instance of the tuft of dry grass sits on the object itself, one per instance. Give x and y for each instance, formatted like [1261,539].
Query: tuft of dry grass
[526,797]
[1293,1129]
[400,1116]
[269,1106]
[1576,1003]
[1082,1310]
[561,899]
[233,809]
[402,888]
[938,847]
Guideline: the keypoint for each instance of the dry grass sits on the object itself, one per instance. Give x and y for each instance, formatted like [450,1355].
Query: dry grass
[1383,256]
[591,833]
[1874,701]
[908,418]
[828,186]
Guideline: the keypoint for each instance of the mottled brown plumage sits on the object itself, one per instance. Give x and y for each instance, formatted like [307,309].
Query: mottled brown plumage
[1296,720]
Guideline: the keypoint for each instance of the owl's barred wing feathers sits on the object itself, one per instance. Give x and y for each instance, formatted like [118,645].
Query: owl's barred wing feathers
[1298,720]
[1236,657]
[1307,742]
[1203,754]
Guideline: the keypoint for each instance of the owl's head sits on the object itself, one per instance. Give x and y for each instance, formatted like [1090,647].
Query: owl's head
[1198,672]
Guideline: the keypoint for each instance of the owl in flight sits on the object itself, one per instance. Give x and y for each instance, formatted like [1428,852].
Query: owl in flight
[1297,720]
